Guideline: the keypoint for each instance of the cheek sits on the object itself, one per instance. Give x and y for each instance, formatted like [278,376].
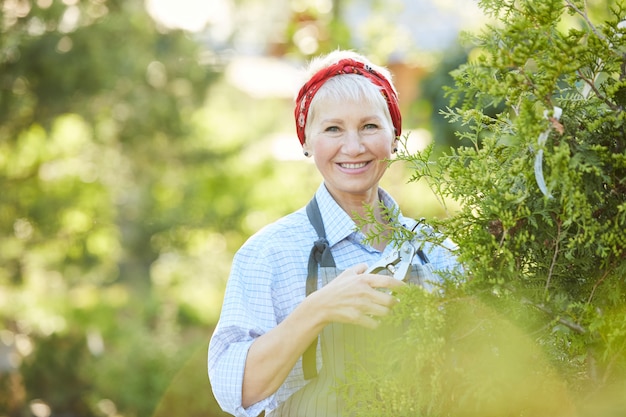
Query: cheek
[384,146]
[322,151]
[323,144]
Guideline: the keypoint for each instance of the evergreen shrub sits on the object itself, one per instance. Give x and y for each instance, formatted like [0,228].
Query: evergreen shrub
[535,325]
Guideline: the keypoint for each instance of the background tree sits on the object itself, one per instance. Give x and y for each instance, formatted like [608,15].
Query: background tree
[102,171]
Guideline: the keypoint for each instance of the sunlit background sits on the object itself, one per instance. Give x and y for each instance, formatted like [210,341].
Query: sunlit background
[141,143]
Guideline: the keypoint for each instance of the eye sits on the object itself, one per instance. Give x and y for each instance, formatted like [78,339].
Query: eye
[332,129]
[369,126]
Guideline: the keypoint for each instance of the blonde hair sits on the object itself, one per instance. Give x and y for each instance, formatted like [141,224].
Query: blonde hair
[347,87]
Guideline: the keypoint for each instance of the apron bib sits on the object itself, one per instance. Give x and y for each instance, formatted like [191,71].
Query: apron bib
[340,345]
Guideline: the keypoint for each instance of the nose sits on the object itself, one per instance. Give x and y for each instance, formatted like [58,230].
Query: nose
[353,143]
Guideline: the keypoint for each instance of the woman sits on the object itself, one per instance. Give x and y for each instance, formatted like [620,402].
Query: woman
[280,343]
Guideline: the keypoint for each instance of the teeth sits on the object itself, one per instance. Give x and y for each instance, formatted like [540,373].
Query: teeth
[354,166]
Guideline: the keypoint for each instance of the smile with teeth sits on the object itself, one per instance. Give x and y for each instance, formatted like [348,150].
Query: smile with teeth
[353,166]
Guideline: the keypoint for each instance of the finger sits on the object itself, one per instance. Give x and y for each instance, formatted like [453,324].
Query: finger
[354,270]
[369,322]
[384,299]
[384,281]
[378,310]
[359,269]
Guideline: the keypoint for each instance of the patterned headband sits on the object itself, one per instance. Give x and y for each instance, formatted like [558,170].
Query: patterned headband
[345,66]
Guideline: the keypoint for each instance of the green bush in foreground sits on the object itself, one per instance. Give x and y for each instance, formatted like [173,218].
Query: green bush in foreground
[536,326]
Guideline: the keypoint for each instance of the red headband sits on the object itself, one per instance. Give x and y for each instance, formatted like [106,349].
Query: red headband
[345,66]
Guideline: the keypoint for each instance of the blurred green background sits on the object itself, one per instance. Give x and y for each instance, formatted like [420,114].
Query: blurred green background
[140,144]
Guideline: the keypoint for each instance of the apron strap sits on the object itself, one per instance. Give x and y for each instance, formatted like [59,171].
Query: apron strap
[320,256]
[420,253]
[320,252]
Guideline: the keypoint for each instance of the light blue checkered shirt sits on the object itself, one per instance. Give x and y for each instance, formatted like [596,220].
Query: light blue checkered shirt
[267,281]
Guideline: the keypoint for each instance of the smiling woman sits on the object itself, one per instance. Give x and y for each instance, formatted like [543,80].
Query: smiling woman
[299,301]
[191,15]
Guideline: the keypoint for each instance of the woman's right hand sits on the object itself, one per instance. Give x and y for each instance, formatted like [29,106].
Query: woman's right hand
[354,297]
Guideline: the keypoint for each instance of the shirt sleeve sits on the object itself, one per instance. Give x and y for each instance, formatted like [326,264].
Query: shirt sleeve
[246,314]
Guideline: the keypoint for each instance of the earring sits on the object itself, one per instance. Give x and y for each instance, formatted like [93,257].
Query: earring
[306,153]
[395,150]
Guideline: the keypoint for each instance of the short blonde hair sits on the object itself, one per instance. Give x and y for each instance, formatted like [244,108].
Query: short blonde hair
[347,87]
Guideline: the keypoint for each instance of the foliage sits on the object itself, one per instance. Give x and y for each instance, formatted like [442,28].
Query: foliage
[542,193]
[104,169]
[55,359]
[454,356]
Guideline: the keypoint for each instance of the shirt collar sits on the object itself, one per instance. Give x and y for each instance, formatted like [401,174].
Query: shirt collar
[338,224]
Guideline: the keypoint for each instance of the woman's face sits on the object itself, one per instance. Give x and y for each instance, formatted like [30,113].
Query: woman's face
[350,142]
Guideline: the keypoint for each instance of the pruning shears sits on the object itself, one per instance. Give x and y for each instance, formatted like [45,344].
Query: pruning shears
[398,263]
